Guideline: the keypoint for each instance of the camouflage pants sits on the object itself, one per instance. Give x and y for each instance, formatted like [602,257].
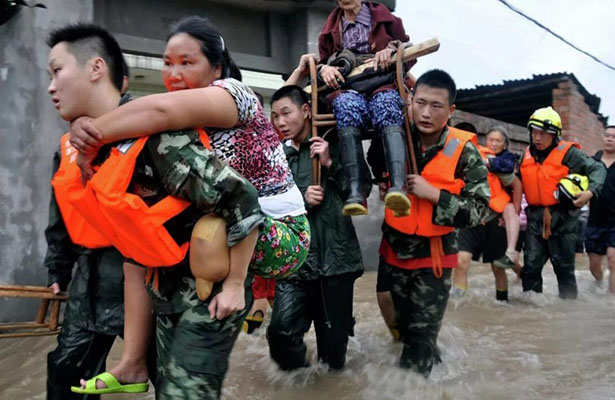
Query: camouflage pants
[420,301]
[560,250]
[193,351]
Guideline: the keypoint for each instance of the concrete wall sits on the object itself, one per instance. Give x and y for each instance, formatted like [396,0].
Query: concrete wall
[261,36]
[30,132]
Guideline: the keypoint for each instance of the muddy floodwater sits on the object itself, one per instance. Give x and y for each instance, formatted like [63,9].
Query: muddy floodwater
[534,347]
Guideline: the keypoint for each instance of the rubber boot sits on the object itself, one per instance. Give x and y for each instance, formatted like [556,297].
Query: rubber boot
[396,198]
[352,155]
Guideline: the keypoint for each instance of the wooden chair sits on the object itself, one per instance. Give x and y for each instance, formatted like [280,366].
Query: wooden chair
[402,56]
[39,327]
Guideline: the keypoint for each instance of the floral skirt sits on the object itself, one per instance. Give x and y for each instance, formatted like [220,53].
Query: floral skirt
[282,247]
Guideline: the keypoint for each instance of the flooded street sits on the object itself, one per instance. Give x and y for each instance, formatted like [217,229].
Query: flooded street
[535,347]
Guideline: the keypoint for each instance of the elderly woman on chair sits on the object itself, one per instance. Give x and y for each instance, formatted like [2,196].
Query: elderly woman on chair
[356,32]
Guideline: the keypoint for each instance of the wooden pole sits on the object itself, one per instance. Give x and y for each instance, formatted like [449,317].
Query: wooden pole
[317,120]
[42,311]
[402,92]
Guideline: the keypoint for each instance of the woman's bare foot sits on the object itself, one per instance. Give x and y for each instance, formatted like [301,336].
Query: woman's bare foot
[125,373]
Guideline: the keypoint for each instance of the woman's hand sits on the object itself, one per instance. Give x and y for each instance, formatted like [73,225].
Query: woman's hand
[84,162]
[84,136]
[331,76]
[382,59]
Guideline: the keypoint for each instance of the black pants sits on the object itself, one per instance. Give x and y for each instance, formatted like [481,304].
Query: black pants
[328,303]
[560,250]
[80,354]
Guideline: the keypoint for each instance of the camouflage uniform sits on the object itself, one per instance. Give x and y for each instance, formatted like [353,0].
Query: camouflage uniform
[322,290]
[193,348]
[419,297]
[94,313]
[560,247]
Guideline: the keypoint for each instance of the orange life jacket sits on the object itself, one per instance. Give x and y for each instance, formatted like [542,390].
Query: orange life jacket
[134,228]
[440,172]
[499,197]
[79,230]
[540,180]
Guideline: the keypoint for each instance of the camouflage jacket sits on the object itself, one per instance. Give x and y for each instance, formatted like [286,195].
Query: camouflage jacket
[334,246]
[564,219]
[177,164]
[96,301]
[469,208]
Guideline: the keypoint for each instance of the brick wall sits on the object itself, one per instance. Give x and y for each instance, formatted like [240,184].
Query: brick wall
[579,123]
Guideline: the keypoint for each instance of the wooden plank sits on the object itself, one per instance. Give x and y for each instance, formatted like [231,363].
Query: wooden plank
[410,53]
[28,334]
[27,288]
[24,325]
[26,294]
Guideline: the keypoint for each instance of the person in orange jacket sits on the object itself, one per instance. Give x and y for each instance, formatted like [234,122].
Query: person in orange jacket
[418,251]
[496,244]
[552,221]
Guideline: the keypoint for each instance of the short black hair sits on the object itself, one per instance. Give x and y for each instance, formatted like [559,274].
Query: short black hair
[85,41]
[293,92]
[609,127]
[466,126]
[438,79]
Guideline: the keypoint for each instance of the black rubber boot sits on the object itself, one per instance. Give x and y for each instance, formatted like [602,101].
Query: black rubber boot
[396,198]
[352,155]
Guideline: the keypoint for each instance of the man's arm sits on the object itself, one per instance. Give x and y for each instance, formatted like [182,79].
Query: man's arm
[194,173]
[580,163]
[61,253]
[471,206]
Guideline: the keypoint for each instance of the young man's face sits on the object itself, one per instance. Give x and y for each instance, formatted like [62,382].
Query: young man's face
[541,139]
[431,109]
[609,140]
[70,83]
[288,118]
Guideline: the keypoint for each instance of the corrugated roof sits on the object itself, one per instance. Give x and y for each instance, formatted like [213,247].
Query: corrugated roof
[514,101]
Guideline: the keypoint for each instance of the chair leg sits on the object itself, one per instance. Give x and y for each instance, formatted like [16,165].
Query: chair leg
[54,315]
[42,311]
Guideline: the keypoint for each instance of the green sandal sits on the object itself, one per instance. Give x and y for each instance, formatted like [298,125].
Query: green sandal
[113,386]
